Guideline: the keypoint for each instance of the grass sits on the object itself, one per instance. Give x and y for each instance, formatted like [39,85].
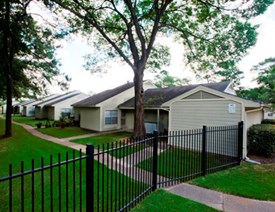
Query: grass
[161,200]
[247,180]
[105,141]
[66,132]
[178,162]
[27,120]
[24,147]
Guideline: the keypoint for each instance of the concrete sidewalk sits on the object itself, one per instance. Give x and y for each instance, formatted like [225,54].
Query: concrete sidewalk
[221,201]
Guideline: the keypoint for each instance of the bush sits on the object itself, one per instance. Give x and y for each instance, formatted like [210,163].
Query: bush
[268,121]
[262,139]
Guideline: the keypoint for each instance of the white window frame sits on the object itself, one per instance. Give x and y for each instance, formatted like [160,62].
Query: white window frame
[112,116]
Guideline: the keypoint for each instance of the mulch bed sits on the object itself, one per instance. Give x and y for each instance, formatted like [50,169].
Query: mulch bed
[262,159]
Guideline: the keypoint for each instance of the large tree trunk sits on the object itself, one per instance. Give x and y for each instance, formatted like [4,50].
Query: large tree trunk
[139,129]
[8,70]
[8,130]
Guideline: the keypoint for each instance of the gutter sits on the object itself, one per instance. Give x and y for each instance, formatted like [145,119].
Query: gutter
[255,110]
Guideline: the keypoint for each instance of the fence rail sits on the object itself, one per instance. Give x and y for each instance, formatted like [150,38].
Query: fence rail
[116,176]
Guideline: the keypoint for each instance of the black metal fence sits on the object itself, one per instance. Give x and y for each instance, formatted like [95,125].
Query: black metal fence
[116,176]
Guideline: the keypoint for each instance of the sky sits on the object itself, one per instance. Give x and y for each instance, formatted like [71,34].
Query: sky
[72,54]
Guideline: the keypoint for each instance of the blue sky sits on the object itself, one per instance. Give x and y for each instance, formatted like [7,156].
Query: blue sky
[73,51]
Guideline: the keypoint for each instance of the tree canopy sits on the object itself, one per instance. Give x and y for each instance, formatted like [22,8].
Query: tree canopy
[266,81]
[215,34]
[27,61]
[164,80]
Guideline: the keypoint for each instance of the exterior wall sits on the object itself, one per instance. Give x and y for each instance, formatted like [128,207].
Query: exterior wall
[66,104]
[51,114]
[37,113]
[90,118]
[193,114]
[44,112]
[253,117]
[269,114]
[112,104]
[129,120]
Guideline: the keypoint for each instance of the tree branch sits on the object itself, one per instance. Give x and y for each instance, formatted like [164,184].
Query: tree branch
[136,24]
[91,20]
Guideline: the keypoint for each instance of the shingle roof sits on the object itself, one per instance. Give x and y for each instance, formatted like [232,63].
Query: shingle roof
[158,96]
[53,98]
[50,99]
[100,97]
[63,99]
[28,102]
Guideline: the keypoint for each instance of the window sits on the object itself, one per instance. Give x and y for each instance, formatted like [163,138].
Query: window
[270,114]
[66,112]
[111,117]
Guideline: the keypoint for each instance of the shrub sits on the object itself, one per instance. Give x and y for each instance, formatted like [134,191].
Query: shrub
[38,124]
[268,121]
[262,139]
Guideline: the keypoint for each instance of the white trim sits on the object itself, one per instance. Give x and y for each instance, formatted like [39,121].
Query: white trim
[247,103]
[255,110]
[229,90]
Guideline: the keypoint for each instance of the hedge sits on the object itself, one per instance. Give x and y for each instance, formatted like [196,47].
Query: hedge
[261,139]
[268,121]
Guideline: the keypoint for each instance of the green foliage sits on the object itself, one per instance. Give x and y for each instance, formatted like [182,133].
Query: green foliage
[268,121]
[266,81]
[31,50]
[163,80]
[266,78]
[216,35]
[261,139]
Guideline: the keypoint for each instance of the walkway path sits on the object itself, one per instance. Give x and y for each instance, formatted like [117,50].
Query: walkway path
[61,141]
[214,199]
[221,201]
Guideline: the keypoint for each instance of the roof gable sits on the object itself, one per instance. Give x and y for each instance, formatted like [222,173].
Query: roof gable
[63,99]
[158,96]
[245,102]
[102,96]
[55,98]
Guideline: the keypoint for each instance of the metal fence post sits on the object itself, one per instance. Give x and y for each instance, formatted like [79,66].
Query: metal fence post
[155,160]
[203,157]
[90,178]
[240,141]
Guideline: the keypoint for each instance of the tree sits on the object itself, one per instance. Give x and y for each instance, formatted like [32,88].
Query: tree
[216,34]
[164,80]
[266,81]
[28,60]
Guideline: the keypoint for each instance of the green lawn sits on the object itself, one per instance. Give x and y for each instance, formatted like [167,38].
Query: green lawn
[103,139]
[66,132]
[177,162]
[107,139]
[25,147]
[27,120]
[253,181]
[161,200]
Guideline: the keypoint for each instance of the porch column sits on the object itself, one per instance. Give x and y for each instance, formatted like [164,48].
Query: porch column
[158,120]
